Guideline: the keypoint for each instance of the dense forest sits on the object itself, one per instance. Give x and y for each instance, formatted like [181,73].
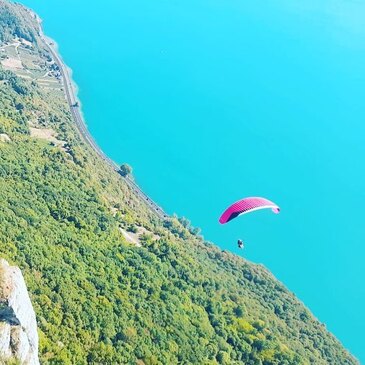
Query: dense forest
[101,300]
[12,23]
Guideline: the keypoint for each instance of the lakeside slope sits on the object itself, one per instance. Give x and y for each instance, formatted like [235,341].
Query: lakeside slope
[99,298]
[75,107]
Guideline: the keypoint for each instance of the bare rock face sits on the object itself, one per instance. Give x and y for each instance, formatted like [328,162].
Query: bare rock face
[4,138]
[18,326]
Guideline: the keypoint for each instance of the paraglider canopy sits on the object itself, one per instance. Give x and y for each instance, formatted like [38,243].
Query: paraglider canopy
[247,205]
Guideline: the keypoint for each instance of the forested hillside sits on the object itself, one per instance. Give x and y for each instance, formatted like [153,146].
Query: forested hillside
[100,299]
[13,23]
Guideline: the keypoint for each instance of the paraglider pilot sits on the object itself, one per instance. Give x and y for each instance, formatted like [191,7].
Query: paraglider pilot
[240,244]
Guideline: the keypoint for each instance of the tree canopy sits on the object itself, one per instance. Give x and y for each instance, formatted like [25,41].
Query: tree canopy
[125,169]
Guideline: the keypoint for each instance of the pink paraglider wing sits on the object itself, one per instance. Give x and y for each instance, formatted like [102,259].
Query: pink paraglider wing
[247,205]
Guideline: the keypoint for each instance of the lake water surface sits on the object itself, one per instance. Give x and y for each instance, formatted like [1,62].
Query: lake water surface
[211,101]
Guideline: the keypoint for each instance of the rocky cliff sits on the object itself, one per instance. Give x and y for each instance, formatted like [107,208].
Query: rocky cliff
[18,327]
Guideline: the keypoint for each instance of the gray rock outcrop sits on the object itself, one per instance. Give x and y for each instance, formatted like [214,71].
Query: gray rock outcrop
[4,138]
[18,326]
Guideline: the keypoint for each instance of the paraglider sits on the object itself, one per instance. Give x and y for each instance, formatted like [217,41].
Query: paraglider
[244,206]
[247,205]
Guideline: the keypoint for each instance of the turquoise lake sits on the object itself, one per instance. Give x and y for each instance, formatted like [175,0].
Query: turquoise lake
[212,101]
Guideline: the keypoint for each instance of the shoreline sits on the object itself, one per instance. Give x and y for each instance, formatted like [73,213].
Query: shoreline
[50,42]
[70,91]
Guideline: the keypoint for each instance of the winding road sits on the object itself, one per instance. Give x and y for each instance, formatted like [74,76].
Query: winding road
[81,125]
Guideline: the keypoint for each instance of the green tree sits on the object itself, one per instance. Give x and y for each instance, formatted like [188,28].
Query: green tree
[125,169]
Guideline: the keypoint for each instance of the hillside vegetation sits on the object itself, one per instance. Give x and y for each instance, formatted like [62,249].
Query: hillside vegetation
[13,23]
[101,300]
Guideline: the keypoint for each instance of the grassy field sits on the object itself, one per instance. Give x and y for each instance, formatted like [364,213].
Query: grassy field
[29,65]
